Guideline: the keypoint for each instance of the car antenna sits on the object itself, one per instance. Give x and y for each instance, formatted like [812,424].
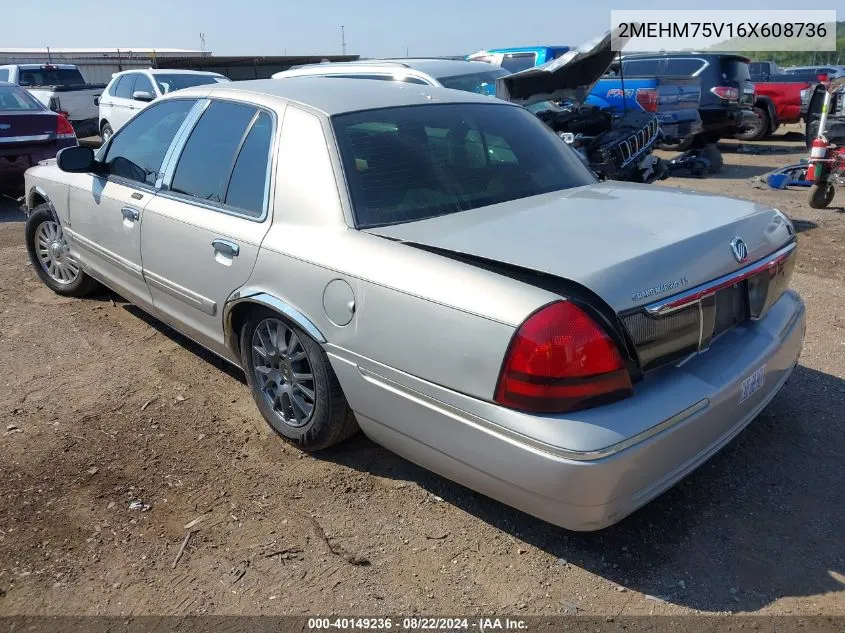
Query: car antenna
[622,83]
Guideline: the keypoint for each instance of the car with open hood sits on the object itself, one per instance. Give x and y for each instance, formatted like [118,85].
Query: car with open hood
[435,268]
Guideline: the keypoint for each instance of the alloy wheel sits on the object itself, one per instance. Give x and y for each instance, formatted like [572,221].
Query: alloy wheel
[53,255]
[283,372]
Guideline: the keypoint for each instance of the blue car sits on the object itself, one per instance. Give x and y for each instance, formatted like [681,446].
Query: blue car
[518,58]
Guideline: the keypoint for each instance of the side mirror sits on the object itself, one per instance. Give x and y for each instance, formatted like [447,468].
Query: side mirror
[142,95]
[96,101]
[76,160]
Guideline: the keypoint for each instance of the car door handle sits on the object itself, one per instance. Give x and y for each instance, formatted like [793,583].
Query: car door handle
[130,214]
[226,247]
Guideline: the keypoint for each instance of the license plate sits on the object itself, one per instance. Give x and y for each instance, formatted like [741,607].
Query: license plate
[752,384]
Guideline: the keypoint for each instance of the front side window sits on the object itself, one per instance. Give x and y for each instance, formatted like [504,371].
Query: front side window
[143,84]
[417,162]
[225,157]
[514,62]
[137,151]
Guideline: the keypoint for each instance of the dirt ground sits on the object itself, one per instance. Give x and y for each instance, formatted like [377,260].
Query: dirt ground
[102,407]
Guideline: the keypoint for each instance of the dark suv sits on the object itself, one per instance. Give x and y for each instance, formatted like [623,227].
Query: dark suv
[727,94]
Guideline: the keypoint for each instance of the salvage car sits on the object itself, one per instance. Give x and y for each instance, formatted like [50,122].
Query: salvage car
[29,133]
[130,91]
[435,268]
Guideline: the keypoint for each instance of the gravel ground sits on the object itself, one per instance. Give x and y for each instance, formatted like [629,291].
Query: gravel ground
[118,433]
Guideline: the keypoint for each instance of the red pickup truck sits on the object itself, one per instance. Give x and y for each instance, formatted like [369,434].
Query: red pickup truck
[779,98]
[776,104]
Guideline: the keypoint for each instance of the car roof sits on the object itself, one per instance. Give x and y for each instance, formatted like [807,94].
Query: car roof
[334,95]
[166,71]
[431,66]
[523,49]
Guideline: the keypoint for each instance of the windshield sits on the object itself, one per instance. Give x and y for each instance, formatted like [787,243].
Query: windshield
[13,98]
[483,83]
[417,162]
[171,83]
[50,76]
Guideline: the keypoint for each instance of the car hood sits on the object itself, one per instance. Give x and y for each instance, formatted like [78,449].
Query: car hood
[629,243]
[570,77]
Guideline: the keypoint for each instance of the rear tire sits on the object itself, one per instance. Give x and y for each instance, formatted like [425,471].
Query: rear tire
[48,252]
[106,132]
[293,383]
[760,129]
[821,195]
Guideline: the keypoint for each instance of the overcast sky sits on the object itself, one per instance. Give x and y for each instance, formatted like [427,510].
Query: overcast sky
[374,28]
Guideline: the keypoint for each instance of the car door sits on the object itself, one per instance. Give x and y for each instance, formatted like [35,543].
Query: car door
[201,232]
[106,208]
[123,106]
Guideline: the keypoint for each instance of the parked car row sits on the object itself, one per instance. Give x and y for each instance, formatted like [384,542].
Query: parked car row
[437,269]
[34,97]
[29,133]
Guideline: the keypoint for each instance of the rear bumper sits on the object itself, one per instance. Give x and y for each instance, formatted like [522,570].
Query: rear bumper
[676,131]
[86,127]
[727,120]
[15,161]
[535,463]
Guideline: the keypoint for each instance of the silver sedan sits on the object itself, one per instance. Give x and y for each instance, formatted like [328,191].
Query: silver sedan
[437,269]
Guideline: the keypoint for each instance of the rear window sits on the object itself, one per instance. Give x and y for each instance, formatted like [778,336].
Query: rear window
[483,83]
[4,74]
[13,98]
[171,83]
[417,162]
[735,70]
[50,76]
[514,62]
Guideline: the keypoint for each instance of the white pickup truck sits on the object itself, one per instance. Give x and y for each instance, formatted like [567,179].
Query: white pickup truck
[62,88]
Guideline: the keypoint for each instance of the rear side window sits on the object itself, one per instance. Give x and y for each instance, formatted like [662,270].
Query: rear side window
[126,87]
[225,158]
[684,67]
[648,67]
[248,186]
[514,62]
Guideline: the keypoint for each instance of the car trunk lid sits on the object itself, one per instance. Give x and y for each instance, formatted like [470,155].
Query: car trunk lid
[26,128]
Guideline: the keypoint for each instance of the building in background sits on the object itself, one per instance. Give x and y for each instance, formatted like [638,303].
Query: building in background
[98,64]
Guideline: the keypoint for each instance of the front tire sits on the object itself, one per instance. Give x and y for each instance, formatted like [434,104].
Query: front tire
[48,252]
[293,383]
[821,195]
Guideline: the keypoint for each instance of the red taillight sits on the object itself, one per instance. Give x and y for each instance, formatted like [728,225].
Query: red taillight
[561,360]
[727,93]
[63,128]
[647,98]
